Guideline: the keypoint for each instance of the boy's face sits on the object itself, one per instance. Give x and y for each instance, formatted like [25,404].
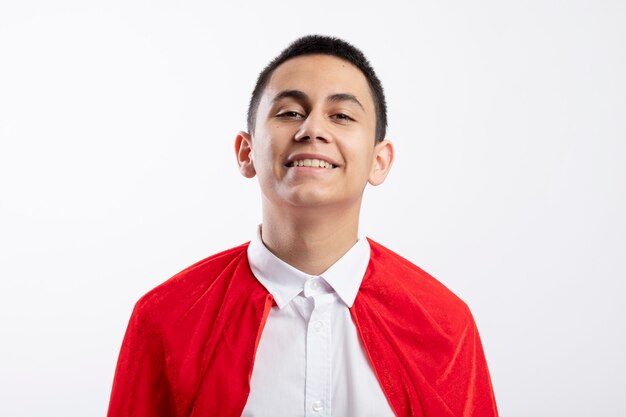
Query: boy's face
[315,107]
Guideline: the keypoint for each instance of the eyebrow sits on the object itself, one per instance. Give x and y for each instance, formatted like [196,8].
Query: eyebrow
[301,96]
[345,97]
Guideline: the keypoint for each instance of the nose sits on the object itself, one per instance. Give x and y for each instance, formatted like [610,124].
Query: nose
[313,127]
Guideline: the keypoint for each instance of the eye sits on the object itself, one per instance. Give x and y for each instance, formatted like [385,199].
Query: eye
[343,116]
[290,115]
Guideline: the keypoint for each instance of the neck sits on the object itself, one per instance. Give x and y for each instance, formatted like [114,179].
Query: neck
[309,239]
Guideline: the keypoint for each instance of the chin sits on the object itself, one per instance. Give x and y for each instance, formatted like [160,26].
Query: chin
[309,199]
[311,196]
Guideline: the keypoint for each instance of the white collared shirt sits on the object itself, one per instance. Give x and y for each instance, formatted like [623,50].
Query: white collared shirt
[310,361]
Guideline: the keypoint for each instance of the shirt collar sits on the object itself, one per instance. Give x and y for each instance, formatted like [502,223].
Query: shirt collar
[285,282]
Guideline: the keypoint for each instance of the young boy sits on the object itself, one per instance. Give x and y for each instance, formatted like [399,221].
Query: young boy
[309,318]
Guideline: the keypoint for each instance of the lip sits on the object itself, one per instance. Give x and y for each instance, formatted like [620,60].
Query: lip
[299,156]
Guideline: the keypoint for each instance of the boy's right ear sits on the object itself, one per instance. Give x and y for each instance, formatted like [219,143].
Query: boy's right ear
[243,151]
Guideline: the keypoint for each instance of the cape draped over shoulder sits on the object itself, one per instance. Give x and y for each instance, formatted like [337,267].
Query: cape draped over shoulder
[190,344]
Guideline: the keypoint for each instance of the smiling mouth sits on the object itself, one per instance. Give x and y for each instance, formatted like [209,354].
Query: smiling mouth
[312,163]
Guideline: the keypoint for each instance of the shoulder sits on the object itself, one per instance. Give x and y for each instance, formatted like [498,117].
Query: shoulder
[183,289]
[409,285]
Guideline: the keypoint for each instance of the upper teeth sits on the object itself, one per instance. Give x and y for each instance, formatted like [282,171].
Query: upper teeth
[315,163]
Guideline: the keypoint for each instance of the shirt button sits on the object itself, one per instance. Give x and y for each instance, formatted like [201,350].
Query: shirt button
[315,285]
[318,325]
[318,406]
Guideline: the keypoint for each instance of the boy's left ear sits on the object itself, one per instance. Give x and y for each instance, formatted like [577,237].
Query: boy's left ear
[381,164]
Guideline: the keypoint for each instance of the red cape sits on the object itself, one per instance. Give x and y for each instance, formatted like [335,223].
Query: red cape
[190,344]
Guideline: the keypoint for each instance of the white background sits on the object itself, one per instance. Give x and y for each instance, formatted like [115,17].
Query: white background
[117,170]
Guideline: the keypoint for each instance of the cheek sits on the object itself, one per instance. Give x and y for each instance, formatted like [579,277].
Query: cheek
[259,159]
[267,159]
[361,160]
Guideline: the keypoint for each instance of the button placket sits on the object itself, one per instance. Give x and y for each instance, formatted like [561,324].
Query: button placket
[318,358]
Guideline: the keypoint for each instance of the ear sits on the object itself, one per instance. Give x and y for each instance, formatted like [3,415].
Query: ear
[243,151]
[381,163]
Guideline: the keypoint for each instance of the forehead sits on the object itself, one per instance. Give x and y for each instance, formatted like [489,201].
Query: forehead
[320,76]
